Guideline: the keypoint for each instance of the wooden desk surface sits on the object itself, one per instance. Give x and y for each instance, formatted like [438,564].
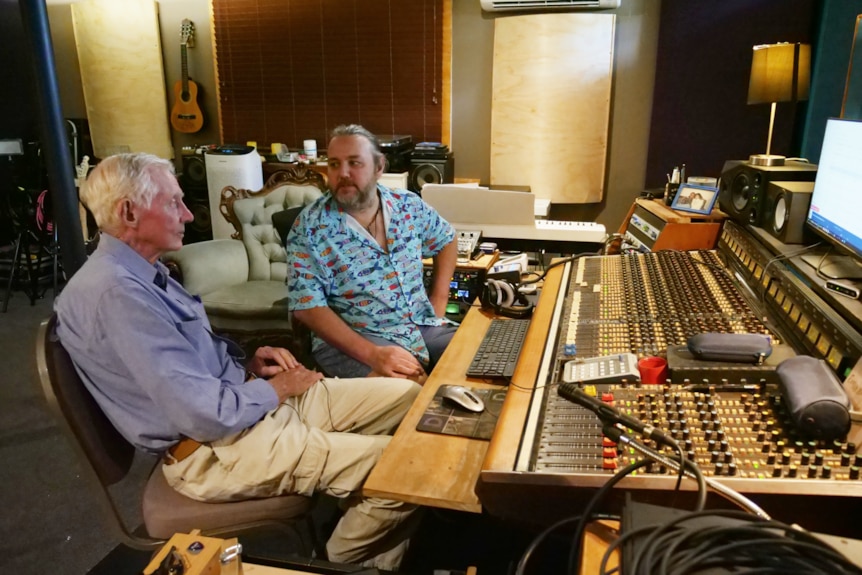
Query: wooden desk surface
[442,470]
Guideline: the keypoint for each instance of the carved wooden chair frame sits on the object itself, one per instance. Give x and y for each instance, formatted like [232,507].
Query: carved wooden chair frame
[299,175]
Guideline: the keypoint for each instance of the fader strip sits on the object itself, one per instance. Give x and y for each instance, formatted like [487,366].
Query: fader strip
[744,438]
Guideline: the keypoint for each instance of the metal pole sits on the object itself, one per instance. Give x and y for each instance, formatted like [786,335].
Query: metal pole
[55,146]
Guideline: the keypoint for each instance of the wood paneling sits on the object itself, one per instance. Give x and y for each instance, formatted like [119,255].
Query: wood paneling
[551,104]
[120,54]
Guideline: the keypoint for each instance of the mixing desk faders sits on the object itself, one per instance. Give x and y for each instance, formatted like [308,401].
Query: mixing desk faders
[743,437]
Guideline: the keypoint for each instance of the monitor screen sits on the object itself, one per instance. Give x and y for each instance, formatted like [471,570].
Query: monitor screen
[836,204]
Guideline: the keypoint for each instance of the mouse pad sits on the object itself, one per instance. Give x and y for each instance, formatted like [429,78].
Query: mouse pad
[445,417]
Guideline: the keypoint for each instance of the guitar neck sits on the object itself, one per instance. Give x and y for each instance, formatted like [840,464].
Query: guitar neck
[185,63]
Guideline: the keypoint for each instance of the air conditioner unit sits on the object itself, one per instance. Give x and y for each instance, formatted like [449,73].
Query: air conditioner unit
[506,5]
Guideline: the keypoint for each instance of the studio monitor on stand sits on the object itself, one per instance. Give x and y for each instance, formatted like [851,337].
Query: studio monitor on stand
[743,187]
[786,210]
[431,164]
[193,181]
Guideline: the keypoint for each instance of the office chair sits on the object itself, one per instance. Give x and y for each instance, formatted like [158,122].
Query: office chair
[107,458]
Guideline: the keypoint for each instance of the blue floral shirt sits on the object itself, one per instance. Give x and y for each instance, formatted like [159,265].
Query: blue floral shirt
[333,261]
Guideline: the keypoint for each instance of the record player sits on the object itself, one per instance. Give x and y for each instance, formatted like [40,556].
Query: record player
[397,150]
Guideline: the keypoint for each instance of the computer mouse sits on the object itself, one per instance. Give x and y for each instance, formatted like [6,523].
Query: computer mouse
[463,397]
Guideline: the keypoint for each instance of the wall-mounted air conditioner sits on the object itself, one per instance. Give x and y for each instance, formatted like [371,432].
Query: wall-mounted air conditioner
[505,5]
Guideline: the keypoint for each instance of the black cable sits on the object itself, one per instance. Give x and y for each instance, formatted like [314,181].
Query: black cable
[680,473]
[618,544]
[534,544]
[574,554]
[756,546]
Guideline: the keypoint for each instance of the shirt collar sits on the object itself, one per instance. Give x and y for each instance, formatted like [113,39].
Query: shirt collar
[129,258]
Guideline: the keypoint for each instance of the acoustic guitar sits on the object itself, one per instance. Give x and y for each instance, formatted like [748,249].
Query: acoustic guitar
[186,115]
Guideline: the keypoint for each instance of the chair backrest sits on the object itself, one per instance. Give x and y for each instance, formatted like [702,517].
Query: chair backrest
[105,454]
[250,212]
[108,452]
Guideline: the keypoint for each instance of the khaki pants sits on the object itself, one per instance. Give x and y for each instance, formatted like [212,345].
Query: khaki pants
[328,440]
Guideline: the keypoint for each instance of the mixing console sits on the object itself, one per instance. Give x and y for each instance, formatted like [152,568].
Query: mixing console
[742,437]
[735,429]
[646,302]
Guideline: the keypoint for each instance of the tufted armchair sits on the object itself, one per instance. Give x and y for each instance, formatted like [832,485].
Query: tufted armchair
[241,281]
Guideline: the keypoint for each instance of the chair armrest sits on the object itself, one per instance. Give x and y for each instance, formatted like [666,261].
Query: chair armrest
[210,265]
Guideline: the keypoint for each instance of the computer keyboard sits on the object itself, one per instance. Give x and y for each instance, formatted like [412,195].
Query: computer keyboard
[498,353]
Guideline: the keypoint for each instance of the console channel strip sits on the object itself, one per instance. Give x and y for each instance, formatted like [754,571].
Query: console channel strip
[745,439]
[643,303]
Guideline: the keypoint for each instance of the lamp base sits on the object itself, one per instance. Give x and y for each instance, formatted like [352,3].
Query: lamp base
[766,160]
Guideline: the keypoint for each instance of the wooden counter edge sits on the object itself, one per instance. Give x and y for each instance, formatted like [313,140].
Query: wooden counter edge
[503,450]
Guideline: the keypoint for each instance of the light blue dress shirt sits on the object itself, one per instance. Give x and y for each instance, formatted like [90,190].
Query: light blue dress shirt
[149,357]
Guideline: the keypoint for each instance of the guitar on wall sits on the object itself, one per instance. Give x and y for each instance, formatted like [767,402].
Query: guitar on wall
[186,115]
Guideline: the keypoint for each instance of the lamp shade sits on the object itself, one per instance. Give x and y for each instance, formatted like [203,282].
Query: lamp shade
[780,73]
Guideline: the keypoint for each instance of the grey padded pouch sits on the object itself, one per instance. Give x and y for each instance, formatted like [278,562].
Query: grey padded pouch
[731,347]
[815,398]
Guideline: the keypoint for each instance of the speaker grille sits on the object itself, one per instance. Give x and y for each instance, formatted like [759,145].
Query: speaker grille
[194,171]
[196,198]
[742,192]
[431,171]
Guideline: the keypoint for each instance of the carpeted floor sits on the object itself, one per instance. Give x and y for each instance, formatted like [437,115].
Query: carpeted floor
[49,520]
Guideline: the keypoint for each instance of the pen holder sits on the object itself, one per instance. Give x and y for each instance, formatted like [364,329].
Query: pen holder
[670,192]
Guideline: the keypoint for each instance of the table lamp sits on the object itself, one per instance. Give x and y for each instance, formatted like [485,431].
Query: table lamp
[779,73]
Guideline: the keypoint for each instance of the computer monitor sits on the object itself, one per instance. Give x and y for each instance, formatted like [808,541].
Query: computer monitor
[835,212]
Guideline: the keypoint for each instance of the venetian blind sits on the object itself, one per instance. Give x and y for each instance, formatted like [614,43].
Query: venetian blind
[290,70]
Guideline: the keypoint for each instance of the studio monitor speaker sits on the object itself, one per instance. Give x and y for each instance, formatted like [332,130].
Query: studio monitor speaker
[201,227]
[193,181]
[786,209]
[424,170]
[742,191]
[194,171]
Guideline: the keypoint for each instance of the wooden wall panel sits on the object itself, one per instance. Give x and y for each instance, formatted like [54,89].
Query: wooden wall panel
[123,78]
[551,104]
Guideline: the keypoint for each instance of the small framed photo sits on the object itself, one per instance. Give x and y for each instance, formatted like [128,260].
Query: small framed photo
[695,198]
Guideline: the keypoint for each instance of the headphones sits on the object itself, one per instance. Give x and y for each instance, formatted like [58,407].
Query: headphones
[505,299]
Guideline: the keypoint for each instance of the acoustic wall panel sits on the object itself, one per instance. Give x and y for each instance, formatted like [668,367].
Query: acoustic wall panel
[550,110]
[119,50]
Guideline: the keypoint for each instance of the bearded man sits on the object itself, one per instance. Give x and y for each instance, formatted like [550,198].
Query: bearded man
[355,269]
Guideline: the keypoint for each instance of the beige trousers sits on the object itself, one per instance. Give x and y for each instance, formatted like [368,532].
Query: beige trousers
[328,439]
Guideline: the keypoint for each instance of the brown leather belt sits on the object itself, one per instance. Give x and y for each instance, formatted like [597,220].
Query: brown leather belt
[180,451]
